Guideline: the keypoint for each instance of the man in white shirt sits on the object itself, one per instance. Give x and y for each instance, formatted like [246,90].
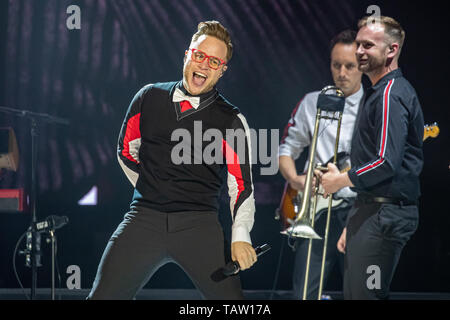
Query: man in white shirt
[298,135]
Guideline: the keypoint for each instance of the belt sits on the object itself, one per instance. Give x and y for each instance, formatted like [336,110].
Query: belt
[401,202]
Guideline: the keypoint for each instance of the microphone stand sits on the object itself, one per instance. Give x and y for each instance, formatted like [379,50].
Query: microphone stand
[35,250]
[35,245]
[52,237]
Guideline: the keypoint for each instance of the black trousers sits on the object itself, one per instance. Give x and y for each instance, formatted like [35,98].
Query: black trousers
[333,256]
[376,235]
[147,239]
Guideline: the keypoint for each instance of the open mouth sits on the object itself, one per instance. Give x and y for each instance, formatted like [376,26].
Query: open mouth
[199,78]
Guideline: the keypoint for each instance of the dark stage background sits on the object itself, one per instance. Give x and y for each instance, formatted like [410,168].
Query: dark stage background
[89,76]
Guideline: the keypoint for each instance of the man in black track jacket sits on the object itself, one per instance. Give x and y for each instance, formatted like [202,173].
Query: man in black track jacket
[386,157]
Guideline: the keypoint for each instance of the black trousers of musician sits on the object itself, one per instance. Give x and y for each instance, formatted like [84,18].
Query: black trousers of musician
[147,239]
[376,235]
[333,256]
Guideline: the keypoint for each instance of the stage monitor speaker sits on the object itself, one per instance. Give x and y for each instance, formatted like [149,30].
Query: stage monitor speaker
[13,200]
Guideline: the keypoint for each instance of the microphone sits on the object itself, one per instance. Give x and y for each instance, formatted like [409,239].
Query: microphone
[233,267]
[51,223]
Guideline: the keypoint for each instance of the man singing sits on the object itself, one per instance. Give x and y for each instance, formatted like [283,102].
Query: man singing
[386,159]
[173,214]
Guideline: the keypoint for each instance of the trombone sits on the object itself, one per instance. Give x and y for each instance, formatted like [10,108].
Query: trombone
[303,226]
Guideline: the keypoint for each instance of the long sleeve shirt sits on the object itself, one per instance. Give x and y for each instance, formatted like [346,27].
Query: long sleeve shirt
[146,152]
[387,146]
[300,128]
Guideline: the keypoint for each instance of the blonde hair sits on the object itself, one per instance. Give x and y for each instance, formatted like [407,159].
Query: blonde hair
[215,29]
[391,27]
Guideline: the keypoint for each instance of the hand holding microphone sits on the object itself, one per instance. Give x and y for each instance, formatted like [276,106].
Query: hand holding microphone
[243,253]
[244,258]
[247,256]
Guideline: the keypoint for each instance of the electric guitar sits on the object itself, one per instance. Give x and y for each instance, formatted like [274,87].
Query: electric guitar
[291,202]
[291,198]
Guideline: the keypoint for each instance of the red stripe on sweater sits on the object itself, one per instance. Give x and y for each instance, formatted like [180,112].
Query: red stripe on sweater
[132,133]
[233,165]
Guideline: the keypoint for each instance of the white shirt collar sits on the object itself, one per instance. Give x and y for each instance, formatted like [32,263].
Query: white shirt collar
[356,97]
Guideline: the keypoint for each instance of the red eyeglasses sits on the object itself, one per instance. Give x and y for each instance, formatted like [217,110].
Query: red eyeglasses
[200,56]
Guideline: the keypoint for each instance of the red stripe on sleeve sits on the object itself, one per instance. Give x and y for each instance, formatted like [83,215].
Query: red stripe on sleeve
[132,132]
[233,165]
[383,131]
[385,119]
[373,165]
